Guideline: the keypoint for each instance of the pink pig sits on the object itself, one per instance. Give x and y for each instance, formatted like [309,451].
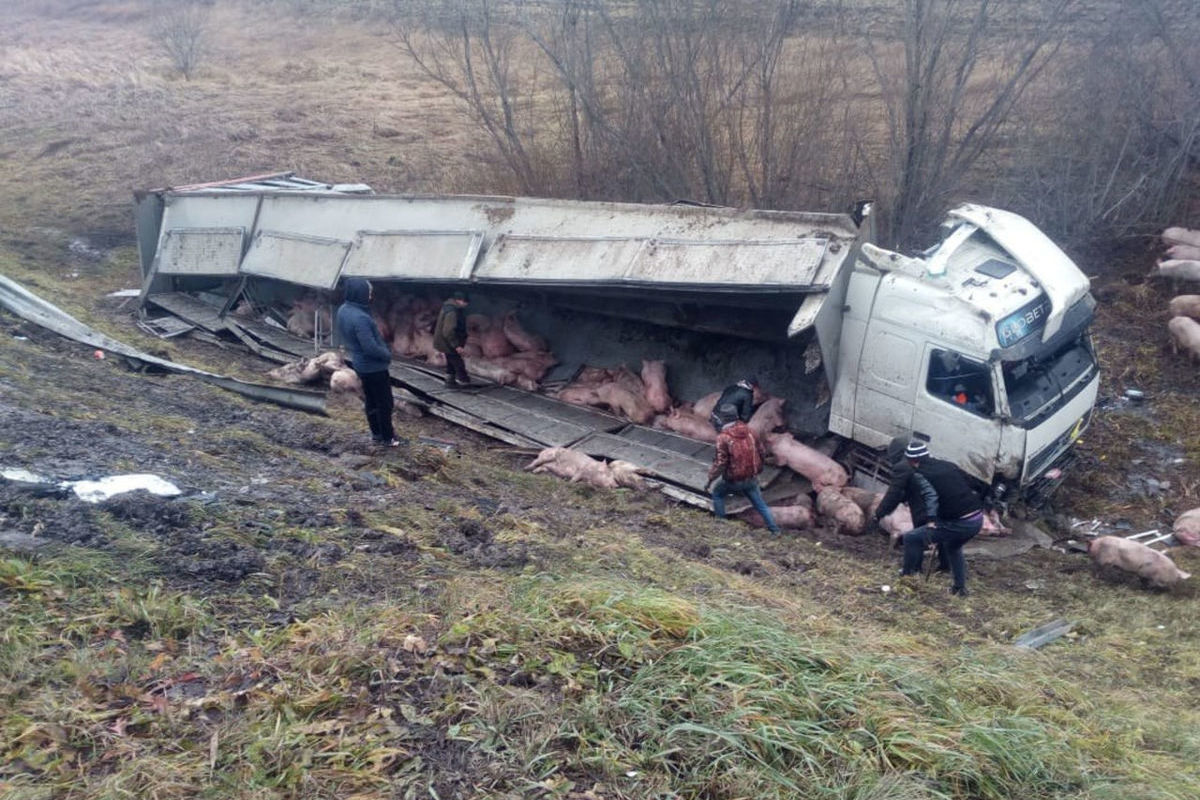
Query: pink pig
[845,514]
[654,377]
[1137,558]
[819,468]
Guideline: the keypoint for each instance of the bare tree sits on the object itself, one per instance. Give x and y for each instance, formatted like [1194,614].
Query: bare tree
[181,31]
[939,121]
[1112,142]
[469,49]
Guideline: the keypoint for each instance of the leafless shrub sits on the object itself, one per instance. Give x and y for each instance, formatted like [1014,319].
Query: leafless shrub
[652,100]
[181,32]
[1112,147]
[771,103]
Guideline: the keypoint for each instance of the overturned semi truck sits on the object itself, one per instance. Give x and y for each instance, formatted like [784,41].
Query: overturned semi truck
[979,343]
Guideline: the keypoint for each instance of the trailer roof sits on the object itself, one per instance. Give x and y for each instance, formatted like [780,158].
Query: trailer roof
[328,234]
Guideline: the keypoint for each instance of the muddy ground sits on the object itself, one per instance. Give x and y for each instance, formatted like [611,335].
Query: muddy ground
[261,482]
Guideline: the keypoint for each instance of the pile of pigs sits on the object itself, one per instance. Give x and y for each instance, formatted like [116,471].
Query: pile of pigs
[499,349]
[1183,263]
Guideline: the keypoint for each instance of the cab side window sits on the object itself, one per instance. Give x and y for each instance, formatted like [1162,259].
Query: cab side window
[960,381]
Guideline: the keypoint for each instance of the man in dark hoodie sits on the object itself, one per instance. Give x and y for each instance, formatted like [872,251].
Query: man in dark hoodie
[449,336]
[370,357]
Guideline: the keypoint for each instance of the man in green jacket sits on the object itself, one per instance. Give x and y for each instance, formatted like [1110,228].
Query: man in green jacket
[449,336]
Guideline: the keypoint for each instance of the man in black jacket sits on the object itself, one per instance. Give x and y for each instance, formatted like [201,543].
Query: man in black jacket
[370,357]
[904,490]
[951,508]
[741,396]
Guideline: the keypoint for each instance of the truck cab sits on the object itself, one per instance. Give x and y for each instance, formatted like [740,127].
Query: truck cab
[980,344]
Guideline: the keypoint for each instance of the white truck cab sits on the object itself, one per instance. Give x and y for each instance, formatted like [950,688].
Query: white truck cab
[980,345]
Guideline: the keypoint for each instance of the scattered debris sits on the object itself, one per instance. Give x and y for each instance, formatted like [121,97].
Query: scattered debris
[94,491]
[1043,634]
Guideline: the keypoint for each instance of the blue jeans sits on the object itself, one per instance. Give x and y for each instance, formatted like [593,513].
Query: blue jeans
[748,488]
[950,535]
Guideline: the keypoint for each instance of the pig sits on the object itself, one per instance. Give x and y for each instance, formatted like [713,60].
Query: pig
[992,525]
[297,372]
[1178,235]
[244,310]
[897,523]
[497,373]
[328,362]
[767,417]
[1185,336]
[622,376]
[796,517]
[654,378]
[1137,558]
[346,381]
[689,425]
[627,474]
[402,336]
[422,345]
[592,376]
[704,406]
[532,365]
[1185,305]
[820,469]
[1187,528]
[518,336]
[494,344]
[865,499]
[1178,268]
[1183,252]
[574,466]
[579,395]
[622,401]
[842,511]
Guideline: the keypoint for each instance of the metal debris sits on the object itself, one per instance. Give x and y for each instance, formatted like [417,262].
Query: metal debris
[1044,634]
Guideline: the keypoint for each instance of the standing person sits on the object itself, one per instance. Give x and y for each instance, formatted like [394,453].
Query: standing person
[735,467]
[449,336]
[953,510]
[370,358]
[742,395]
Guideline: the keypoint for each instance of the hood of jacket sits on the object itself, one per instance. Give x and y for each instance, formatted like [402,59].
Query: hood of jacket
[738,430]
[358,291]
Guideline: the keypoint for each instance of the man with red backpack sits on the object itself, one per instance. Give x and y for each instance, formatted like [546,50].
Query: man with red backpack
[736,465]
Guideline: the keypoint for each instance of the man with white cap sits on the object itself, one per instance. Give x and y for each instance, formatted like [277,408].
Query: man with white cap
[951,506]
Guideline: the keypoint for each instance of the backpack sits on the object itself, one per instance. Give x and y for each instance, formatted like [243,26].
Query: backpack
[745,461]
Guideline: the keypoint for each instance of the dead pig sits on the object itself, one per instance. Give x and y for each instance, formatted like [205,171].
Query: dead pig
[1137,558]
[687,424]
[819,468]
[796,517]
[842,511]
[345,380]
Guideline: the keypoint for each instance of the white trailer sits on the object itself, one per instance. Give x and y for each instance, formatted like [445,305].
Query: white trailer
[979,343]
